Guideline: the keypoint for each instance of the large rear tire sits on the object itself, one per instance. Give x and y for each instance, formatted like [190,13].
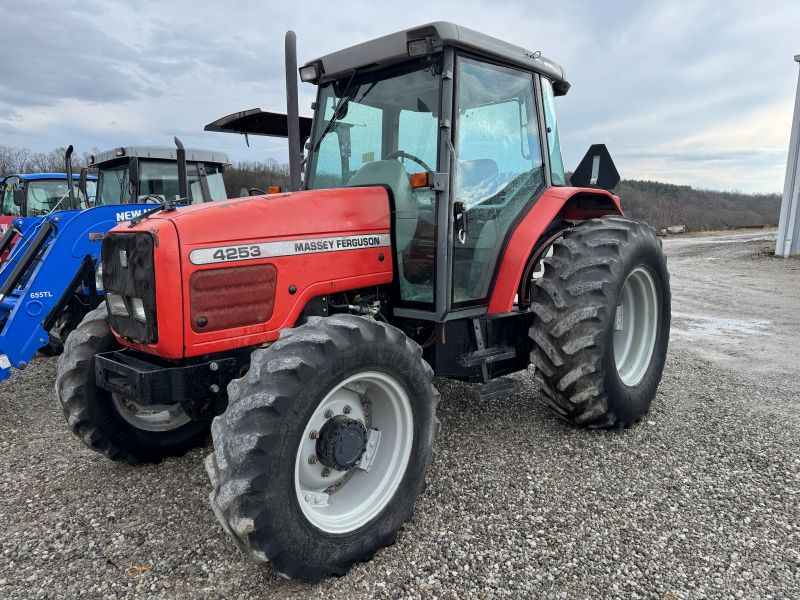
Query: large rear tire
[601,332]
[278,489]
[111,425]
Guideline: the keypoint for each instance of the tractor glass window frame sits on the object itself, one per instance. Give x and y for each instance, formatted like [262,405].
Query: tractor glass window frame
[216,183]
[371,122]
[113,185]
[553,139]
[159,178]
[46,195]
[499,169]
[9,209]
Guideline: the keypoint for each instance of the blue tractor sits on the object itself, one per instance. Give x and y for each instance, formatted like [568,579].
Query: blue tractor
[36,194]
[49,277]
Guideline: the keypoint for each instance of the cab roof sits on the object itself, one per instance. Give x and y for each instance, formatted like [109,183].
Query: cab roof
[393,48]
[37,176]
[158,153]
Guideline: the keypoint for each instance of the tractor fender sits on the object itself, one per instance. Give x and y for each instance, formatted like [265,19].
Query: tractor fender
[567,203]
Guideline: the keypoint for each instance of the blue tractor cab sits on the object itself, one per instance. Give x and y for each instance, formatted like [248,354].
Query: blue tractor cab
[37,194]
[49,279]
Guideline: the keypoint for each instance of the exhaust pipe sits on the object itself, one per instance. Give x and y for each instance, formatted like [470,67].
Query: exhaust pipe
[292,112]
[68,168]
[183,186]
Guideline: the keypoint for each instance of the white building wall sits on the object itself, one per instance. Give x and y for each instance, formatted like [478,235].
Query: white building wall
[789,224]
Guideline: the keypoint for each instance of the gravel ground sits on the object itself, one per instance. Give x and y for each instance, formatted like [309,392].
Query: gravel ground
[699,500]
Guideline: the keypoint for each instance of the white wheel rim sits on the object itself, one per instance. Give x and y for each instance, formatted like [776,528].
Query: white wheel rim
[151,418]
[345,501]
[635,326]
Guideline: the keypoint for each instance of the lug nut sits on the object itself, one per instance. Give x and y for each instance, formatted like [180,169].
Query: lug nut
[328,413]
[313,435]
[312,460]
[347,410]
[326,471]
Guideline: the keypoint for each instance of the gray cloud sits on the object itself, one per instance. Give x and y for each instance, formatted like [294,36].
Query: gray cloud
[684,91]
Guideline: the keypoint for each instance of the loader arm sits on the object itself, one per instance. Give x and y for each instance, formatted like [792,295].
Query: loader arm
[34,290]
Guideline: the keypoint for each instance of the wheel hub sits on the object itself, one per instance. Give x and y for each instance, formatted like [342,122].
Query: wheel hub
[342,442]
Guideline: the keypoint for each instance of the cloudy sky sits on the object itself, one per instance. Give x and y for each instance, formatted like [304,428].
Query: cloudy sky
[698,92]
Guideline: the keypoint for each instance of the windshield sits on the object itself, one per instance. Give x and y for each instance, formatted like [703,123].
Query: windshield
[383,116]
[113,186]
[158,179]
[46,195]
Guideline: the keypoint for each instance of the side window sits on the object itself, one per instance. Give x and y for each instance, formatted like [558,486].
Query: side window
[216,184]
[499,168]
[9,208]
[553,141]
[193,180]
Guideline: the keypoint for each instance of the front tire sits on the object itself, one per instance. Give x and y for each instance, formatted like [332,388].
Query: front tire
[284,488]
[602,306]
[110,425]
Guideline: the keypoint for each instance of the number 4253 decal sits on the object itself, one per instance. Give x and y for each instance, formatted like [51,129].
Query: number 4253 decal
[237,253]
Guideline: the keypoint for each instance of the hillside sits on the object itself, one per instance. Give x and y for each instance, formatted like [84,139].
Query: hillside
[663,204]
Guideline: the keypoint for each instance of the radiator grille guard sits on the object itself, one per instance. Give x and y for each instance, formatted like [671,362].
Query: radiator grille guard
[232,297]
[129,273]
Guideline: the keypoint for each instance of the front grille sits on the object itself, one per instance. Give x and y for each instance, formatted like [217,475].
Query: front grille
[128,271]
[232,297]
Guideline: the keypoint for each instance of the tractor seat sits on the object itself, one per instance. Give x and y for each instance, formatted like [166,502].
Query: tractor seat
[393,175]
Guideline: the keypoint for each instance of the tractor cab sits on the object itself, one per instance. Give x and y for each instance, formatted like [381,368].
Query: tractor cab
[442,120]
[461,130]
[142,174]
[36,194]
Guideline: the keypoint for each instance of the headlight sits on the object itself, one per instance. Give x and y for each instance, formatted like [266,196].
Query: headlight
[116,305]
[137,307]
[98,277]
[309,73]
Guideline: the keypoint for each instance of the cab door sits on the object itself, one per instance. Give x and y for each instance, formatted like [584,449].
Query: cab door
[498,171]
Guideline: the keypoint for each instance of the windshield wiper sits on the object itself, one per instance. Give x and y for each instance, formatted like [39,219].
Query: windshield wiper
[166,206]
[345,98]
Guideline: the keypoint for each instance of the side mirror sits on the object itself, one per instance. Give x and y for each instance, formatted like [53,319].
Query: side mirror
[596,170]
[19,196]
[82,185]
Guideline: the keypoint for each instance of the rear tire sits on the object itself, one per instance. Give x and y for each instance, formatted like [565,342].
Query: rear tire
[597,365]
[257,466]
[97,418]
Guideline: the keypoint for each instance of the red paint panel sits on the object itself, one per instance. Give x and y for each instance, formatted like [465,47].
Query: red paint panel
[231,297]
[296,215]
[528,232]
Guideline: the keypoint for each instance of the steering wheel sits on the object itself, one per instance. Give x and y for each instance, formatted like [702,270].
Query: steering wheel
[402,154]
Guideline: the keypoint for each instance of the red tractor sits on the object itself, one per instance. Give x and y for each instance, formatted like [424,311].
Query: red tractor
[432,234]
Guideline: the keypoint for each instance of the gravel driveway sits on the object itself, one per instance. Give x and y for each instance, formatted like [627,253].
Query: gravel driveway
[699,500]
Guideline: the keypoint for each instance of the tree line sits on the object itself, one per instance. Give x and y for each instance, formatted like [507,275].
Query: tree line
[660,204]
[665,204]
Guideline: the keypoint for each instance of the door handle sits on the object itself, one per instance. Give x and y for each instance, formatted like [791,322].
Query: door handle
[460,220]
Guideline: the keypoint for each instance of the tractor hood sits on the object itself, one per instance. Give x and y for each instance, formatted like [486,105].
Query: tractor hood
[283,216]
